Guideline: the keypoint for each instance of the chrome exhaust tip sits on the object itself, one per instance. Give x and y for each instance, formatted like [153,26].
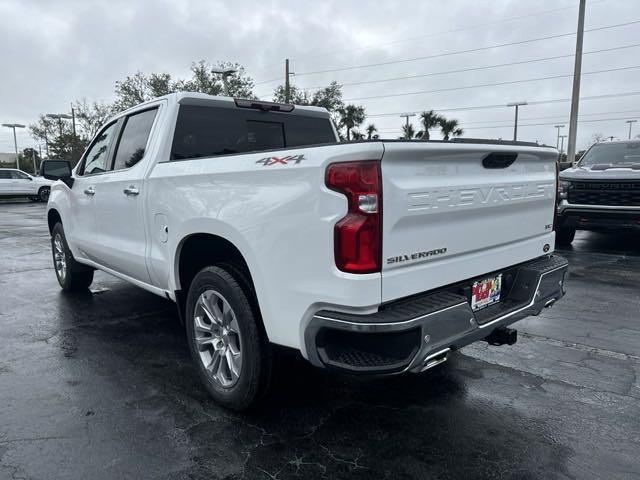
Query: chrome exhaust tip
[436,359]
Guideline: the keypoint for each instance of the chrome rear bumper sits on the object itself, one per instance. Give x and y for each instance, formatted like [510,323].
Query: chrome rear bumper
[419,332]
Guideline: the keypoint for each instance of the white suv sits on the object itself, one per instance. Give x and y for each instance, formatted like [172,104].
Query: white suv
[16,183]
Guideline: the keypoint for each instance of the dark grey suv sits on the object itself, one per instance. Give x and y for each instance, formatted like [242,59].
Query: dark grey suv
[601,192]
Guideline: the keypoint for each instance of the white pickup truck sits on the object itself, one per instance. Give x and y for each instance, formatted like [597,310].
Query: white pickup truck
[375,257]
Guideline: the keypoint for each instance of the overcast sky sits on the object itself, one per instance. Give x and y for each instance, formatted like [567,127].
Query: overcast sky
[55,52]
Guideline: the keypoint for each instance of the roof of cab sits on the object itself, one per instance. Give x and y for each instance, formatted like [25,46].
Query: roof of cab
[195,98]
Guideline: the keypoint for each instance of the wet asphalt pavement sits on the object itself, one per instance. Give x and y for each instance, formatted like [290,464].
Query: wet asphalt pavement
[100,386]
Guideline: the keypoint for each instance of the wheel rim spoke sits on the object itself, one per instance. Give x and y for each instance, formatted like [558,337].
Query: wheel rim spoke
[220,372]
[214,364]
[233,368]
[217,338]
[201,326]
[203,302]
[205,342]
[233,325]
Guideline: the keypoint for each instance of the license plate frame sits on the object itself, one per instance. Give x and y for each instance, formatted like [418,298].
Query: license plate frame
[486,292]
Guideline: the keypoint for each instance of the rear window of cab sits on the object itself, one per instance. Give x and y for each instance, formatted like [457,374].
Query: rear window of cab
[203,131]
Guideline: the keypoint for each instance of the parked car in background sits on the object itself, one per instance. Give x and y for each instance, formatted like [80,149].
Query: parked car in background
[16,183]
[602,191]
[373,257]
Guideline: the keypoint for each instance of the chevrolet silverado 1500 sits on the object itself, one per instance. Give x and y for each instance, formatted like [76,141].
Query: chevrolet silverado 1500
[376,257]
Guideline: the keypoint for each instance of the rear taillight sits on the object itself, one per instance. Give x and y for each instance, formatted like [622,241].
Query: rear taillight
[358,236]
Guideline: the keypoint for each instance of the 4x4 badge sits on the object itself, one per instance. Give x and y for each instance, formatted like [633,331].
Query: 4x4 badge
[295,159]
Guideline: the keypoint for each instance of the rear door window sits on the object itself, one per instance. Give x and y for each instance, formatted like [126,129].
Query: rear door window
[209,131]
[133,139]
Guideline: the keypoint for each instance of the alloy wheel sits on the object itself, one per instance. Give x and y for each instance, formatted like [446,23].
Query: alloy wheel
[217,338]
[59,257]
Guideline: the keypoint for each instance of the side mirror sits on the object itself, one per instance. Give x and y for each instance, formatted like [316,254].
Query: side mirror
[57,170]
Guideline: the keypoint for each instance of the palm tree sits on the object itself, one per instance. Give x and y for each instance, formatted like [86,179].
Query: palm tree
[371,129]
[351,116]
[428,120]
[357,135]
[408,132]
[450,128]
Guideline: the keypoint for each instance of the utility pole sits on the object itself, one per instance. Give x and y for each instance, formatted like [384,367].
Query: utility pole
[33,159]
[630,122]
[287,91]
[73,120]
[575,95]
[15,141]
[515,125]
[406,117]
[558,127]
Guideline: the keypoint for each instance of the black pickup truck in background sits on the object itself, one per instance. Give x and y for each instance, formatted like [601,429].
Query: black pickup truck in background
[601,192]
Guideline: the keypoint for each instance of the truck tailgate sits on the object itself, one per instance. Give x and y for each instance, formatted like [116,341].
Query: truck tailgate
[456,211]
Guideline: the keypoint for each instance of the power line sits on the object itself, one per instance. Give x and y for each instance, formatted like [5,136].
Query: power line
[430,35]
[444,32]
[562,116]
[548,123]
[494,84]
[485,67]
[502,105]
[458,52]
[267,81]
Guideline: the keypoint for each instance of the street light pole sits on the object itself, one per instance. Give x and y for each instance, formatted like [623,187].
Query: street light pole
[60,117]
[225,80]
[15,141]
[287,91]
[575,95]
[515,124]
[630,122]
[558,127]
[562,144]
[406,117]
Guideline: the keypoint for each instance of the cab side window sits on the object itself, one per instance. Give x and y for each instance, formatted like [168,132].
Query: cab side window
[5,175]
[133,140]
[97,157]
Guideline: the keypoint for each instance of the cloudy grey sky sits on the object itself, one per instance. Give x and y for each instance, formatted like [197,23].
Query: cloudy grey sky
[54,52]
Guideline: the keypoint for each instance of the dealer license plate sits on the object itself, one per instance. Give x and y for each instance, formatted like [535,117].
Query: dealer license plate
[486,292]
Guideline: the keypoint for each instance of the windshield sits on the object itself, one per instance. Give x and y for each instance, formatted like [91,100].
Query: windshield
[615,154]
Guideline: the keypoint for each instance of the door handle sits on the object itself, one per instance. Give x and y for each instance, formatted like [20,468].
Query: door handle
[131,190]
[90,191]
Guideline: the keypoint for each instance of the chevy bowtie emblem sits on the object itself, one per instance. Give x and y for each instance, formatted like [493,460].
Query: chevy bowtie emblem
[295,159]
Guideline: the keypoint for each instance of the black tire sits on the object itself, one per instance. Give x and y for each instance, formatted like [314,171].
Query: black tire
[564,236]
[74,277]
[43,194]
[252,381]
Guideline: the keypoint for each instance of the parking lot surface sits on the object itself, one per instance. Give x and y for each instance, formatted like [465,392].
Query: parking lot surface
[101,386]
